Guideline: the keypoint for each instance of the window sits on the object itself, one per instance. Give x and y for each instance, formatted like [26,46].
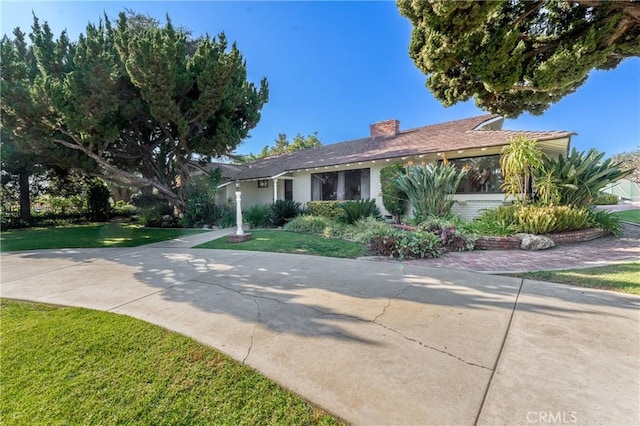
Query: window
[483,174]
[343,185]
[288,190]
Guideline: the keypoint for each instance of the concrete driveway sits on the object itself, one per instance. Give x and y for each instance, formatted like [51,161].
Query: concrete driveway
[371,342]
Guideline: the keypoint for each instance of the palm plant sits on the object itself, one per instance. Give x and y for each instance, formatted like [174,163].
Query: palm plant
[581,176]
[519,159]
[430,188]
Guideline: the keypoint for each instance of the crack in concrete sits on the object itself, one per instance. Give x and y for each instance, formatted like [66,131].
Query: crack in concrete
[253,333]
[374,321]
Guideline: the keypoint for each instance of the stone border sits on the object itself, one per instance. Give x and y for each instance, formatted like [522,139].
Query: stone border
[570,237]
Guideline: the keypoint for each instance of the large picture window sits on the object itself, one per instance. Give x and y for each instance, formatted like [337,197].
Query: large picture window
[342,185]
[483,174]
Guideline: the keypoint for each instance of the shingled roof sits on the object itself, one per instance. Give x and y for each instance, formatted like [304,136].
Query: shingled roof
[453,135]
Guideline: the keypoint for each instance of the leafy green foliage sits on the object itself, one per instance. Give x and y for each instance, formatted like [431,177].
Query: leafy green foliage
[608,221]
[518,161]
[330,209]
[430,188]
[452,236]
[283,211]
[283,146]
[258,215]
[309,224]
[582,176]
[136,102]
[402,244]
[543,220]
[517,56]
[393,199]
[499,221]
[355,210]
[98,200]
[201,199]
[605,199]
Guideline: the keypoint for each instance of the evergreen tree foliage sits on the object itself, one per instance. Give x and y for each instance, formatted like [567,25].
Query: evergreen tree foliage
[393,199]
[516,56]
[283,146]
[629,161]
[139,102]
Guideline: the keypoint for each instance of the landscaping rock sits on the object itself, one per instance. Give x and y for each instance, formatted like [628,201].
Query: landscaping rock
[534,242]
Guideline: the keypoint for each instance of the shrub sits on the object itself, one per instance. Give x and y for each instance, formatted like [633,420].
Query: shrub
[308,224]
[393,199]
[121,208]
[357,209]
[201,200]
[406,244]
[605,220]
[498,221]
[581,176]
[548,219]
[430,188]
[283,211]
[98,200]
[605,199]
[225,215]
[519,159]
[330,209]
[258,215]
[451,236]
[365,229]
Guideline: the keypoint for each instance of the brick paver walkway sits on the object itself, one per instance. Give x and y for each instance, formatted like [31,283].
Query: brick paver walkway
[598,252]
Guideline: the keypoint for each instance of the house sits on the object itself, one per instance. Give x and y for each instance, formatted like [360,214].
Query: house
[351,170]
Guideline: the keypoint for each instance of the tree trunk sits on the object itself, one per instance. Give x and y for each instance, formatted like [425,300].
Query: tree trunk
[25,195]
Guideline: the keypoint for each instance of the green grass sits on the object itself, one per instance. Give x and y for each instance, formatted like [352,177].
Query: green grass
[629,215]
[291,242]
[87,236]
[624,277]
[78,366]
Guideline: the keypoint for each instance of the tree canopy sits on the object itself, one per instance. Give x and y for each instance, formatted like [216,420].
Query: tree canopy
[138,101]
[629,161]
[516,56]
[283,145]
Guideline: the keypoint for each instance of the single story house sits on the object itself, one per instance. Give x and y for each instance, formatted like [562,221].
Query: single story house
[351,170]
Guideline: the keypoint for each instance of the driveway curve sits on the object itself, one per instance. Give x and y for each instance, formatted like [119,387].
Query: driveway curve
[371,342]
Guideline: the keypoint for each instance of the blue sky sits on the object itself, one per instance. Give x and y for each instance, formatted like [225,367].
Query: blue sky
[337,67]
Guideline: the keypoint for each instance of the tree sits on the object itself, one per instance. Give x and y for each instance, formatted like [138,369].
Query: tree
[393,199]
[137,100]
[516,56]
[283,146]
[629,161]
[520,158]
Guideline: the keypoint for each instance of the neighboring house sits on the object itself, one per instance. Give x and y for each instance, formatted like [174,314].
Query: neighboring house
[351,170]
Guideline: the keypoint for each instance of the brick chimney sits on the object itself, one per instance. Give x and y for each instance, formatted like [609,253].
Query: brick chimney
[385,129]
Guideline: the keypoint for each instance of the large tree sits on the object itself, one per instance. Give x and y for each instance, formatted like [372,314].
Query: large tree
[629,161]
[512,56]
[139,100]
[282,145]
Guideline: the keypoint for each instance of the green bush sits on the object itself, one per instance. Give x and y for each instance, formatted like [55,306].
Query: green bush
[355,210]
[430,188]
[498,221]
[98,200]
[225,215]
[121,208]
[606,199]
[201,200]
[402,244]
[309,224]
[365,229]
[543,220]
[258,215]
[581,176]
[283,211]
[605,220]
[330,209]
[452,236]
[393,199]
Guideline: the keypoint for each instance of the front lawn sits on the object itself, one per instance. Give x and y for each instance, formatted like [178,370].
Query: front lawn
[291,242]
[87,236]
[629,215]
[78,366]
[624,277]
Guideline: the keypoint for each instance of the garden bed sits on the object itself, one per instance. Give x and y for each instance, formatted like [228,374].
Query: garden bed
[511,243]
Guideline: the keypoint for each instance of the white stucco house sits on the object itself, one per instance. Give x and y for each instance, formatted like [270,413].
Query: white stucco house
[350,170]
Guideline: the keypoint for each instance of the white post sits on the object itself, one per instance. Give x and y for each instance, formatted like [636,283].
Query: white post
[239,231]
[275,190]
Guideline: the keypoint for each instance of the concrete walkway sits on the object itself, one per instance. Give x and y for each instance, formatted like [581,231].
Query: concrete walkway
[371,342]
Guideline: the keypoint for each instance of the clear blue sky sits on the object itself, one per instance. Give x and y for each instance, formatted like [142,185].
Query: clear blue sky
[337,67]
